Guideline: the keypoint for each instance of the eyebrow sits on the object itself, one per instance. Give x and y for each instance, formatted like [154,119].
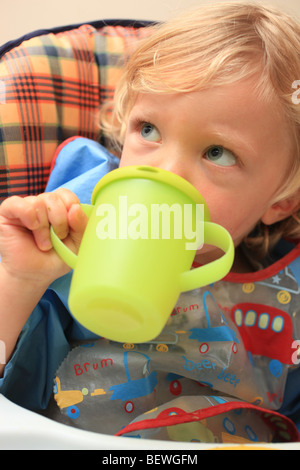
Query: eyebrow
[235,142]
[138,112]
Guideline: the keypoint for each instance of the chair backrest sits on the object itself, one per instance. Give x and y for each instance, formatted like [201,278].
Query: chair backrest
[51,86]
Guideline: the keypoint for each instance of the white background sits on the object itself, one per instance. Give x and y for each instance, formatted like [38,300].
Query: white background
[19,17]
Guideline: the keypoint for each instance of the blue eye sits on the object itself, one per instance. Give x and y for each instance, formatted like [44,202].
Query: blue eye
[150,132]
[220,156]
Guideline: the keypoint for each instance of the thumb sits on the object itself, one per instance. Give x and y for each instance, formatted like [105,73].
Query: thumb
[77,221]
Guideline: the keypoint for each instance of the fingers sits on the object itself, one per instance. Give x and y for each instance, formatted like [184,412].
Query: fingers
[19,211]
[37,213]
[53,210]
[50,210]
[77,218]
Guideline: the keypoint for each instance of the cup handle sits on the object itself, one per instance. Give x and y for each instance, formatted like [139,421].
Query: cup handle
[218,236]
[61,249]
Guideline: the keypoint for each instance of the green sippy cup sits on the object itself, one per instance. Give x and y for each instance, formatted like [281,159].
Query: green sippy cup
[145,225]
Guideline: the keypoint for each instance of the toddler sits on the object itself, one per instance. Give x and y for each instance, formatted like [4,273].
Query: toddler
[212,96]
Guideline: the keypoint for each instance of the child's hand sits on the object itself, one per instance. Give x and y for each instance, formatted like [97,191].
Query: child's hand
[25,245]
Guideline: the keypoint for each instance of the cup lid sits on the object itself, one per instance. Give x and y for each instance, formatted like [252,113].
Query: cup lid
[155,174]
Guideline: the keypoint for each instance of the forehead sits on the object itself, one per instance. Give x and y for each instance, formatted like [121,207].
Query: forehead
[229,103]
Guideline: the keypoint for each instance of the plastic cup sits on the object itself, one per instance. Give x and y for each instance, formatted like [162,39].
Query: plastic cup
[134,260]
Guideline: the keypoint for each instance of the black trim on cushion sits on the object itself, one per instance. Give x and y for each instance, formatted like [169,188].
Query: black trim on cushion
[60,29]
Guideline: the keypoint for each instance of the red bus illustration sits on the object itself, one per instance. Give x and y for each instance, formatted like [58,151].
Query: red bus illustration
[265,331]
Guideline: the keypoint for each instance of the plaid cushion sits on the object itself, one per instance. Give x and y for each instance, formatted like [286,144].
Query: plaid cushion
[51,87]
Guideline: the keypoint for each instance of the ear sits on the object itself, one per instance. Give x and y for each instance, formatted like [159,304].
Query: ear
[281,210]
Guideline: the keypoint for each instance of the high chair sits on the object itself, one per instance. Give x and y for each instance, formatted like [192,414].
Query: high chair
[52,83]
[51,86]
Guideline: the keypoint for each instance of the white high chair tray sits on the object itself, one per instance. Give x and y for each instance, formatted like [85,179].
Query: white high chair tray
[24,430]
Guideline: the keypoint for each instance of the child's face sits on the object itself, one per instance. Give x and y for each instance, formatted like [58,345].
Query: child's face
[232,147]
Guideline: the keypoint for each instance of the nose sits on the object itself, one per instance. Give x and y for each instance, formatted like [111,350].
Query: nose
[175,162]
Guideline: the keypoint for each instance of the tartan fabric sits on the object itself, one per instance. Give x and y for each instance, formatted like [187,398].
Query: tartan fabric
[51,87]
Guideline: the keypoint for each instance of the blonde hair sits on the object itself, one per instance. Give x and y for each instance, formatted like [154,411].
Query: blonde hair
[214,45]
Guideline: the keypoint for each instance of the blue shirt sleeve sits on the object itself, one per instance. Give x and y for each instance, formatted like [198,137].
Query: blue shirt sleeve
[46,337]
[79,166]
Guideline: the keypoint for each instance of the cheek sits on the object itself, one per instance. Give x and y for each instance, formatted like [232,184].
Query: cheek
[126,156]
[125,160]
[238,217]
[130,155]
